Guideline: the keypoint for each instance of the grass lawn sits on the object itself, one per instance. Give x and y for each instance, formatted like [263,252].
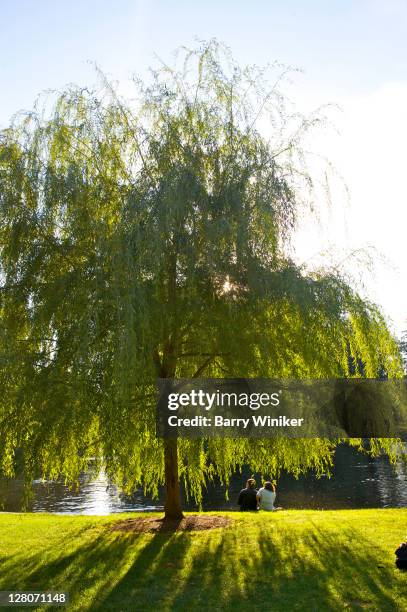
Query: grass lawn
[289,560]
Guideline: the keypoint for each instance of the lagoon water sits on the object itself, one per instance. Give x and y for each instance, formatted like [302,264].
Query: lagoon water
[357,482]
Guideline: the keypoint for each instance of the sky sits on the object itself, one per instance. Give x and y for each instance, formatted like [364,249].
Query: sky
[353,54]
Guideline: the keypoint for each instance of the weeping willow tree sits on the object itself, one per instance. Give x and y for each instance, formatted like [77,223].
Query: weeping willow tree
[149,239]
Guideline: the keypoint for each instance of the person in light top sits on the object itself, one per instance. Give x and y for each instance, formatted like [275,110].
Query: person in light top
[266,497]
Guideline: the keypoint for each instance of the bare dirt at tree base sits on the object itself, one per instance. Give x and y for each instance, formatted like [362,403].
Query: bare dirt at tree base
[194,522]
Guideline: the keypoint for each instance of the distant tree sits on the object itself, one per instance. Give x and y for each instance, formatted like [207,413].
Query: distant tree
[403,349]
[149,240]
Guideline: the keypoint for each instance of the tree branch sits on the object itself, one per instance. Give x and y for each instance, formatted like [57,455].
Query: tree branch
[202,367]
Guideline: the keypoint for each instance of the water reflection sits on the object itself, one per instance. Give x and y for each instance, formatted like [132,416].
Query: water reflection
[357,482]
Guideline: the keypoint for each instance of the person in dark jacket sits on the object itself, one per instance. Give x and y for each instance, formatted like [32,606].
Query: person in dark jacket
[248,497]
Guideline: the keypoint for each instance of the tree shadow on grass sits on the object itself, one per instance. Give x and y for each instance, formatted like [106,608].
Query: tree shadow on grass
[91,570]
[265,566]
[233,571]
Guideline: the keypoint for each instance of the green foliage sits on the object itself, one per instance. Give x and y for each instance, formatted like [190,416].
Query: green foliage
[150,240]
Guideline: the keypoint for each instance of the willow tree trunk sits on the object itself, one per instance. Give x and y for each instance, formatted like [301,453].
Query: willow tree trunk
[172,506]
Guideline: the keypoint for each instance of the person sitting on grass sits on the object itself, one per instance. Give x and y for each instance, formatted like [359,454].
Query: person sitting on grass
[266,497]
[248,497]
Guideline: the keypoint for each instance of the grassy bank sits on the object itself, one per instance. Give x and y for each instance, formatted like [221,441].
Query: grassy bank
[292,560]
